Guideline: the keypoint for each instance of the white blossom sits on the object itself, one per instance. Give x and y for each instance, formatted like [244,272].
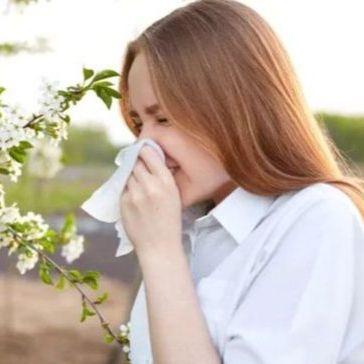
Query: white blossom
[123,328]
[11,165]
[12,132]
[13,114]
[11,129]
[126,348]
[4,157]
[50,101]
[48,87]
[26,263]
[13,246]
[8,215]
[62,130]
[14,170]
[31,216]
[37,227]
[31,133]
[44,159]
[5,240]
[73,249]
[35,230]
[2,196]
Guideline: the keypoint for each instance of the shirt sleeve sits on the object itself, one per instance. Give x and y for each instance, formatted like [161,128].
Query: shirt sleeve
[304,306]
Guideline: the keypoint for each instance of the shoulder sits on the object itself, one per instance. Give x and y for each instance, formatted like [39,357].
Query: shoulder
[317,227]
[309,269]
[319,200]
[317,215]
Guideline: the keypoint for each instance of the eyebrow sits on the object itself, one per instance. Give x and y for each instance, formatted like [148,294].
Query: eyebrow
[149,110]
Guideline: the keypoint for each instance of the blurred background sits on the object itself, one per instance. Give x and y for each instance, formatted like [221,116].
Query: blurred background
[54,39]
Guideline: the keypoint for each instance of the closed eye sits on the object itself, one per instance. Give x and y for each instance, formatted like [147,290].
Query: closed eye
[139,125]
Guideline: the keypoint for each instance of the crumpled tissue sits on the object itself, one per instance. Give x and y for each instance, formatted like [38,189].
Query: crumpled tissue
[104,203]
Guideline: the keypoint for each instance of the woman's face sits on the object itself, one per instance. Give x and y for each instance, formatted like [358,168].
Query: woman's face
[199,176]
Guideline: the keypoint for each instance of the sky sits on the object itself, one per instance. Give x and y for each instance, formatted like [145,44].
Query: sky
[324,39]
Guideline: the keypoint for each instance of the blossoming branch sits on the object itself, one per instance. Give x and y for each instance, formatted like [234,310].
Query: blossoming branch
[28,235]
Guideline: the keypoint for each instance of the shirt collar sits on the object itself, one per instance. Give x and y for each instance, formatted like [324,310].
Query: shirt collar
[238,213]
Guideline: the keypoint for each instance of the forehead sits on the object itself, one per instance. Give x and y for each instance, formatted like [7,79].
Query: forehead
[138,70]
[141,96]
[149,110]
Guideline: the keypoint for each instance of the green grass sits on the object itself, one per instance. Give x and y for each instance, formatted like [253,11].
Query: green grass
[57,195]
[63,194]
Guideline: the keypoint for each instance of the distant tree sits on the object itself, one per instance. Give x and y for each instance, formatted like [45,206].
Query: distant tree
[88,146]
[347,132]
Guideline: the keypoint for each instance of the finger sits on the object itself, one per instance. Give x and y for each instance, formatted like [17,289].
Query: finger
[141,173]
[130,183]
[152,160]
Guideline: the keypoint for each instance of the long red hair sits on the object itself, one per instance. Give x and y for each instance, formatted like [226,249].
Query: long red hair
[221,74]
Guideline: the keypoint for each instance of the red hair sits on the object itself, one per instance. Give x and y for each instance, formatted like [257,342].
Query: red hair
[221,74]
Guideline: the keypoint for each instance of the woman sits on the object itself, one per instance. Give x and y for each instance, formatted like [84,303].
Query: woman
[250,239]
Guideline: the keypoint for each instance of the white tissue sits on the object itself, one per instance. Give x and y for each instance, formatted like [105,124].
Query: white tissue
[104,203]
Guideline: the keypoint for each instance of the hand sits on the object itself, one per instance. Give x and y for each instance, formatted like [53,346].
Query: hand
[150,204]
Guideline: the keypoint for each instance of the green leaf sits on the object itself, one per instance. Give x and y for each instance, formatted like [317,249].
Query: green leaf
[4,171]
[28,253]
[104,74]
[104,96]
[101,298]
[64,93]
[18,227]
[45,274]
[68,228]
[51,234]
[112,92]
[61,282]
[51,133]
[19,157]
[91,279]
[38,127]
[52,124]
[103,83]
[2,89]
[25,145]
[87,73]
[92,273]
[18,151]
[108,339]
[75,275]
[65,118]
[86,312]
[48,245]
[92,282]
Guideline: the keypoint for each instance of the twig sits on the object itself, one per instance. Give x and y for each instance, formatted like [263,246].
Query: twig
[103,322]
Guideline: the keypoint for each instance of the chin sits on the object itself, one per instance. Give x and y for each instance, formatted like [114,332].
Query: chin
[185,202]
[189,198]
[204,202]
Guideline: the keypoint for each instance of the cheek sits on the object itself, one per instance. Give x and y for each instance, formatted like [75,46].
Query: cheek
[197,179]
[188,175]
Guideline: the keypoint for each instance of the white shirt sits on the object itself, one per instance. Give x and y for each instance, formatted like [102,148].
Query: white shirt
[279,280]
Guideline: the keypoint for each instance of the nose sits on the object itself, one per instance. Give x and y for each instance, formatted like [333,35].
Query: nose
[147,131]
[150,133]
